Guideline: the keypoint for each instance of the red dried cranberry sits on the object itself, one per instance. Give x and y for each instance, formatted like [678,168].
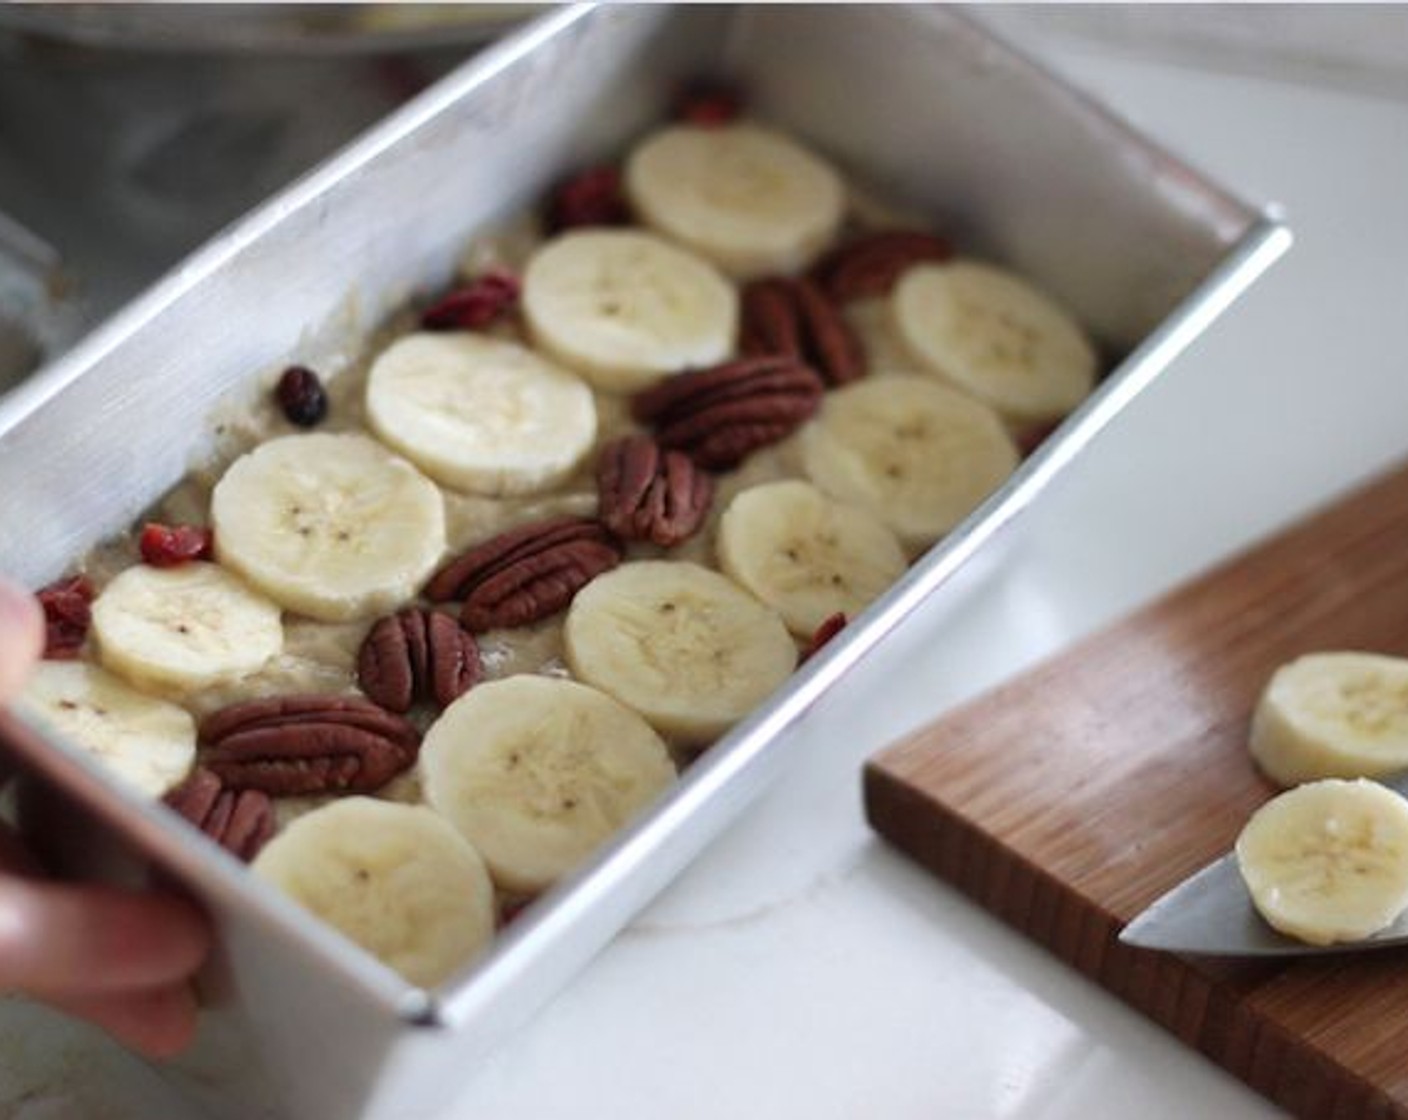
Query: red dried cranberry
[828,629]
[475,305]
[302,396]
[66,604]
[708,106]
[166,546]
[591,198]
[512,908]
[1032,438]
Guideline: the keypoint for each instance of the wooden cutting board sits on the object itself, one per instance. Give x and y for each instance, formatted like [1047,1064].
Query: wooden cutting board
[1071,797]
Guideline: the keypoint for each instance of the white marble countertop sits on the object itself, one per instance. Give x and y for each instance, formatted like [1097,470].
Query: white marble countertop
[801,968]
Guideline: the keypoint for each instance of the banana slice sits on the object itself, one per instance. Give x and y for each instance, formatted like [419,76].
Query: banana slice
[751,200]
[147,744]
[805,555]
[1333,715]
[185,627]
[395,879]
[625,308]
[538,772]
[917,454]
[685,647]
[995,336]
[478,414]
[332,526]
[1328,862]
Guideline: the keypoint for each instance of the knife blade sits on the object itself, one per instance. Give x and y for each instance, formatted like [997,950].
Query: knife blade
[1211,914]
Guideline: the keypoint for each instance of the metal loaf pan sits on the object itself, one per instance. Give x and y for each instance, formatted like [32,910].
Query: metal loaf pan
[918,101]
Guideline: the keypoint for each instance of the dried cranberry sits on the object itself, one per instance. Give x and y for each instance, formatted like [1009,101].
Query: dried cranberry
[591,198]
[1032,438]
[828,629]
[512,908]
[66,604]
[302,396]
[708,106]
[475,305]
[165,546]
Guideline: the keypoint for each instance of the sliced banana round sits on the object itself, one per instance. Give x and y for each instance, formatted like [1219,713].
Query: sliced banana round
[994,335]
[753,201]
[184,627]
[147,744]
[806,555]
[1339,714]
[397,880]
[685,647]
[1328,862]
[538,772]
[331,526]
[479,414]
[917,454]
[625,308]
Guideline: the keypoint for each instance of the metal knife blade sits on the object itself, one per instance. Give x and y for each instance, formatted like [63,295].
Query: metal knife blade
[1211,914]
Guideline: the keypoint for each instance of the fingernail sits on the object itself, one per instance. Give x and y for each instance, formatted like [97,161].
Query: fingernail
[17,608]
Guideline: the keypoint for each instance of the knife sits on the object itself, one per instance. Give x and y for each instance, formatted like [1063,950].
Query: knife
[1211,914]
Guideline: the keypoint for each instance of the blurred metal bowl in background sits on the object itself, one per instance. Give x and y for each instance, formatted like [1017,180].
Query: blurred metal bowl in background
[129,133]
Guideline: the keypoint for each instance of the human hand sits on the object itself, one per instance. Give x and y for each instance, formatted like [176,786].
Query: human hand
[120,959]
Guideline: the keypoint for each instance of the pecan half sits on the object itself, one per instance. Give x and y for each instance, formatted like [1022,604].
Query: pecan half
[646,494]
[240,821]
[417,655]
[527,573]
[869,267]
[717,416]
[795,319]
[289,745]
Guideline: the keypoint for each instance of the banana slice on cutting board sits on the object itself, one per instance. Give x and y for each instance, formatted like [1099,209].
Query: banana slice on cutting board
[994,335]
[478,414]
[1328,861]
[919,455]
[331,526]
[1340,714]
[185,627]
[806,555]
[396,879]
[147,744]
[751,200]
[685,647]
[624,308]
[538,772]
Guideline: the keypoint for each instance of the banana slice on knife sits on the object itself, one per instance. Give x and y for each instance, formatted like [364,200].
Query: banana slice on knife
[805,555]
[479,414]
[919,455]
[995,336]
[396,879]
[146,743]
[185,627]
[1340,714]
[685,647]
[625,308]
[753,201]
[331,526]
[1328,862]
[538,772]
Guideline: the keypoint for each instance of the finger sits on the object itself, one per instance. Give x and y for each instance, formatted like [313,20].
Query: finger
[157,1022]
[21,637]
[58,938]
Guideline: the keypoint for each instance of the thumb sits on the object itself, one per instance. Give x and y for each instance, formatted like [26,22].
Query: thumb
[21,637]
